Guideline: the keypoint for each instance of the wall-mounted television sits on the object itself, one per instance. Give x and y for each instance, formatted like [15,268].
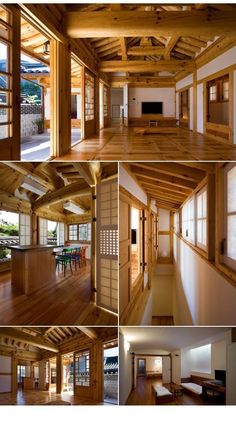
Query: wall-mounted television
[152,108]
[220,375]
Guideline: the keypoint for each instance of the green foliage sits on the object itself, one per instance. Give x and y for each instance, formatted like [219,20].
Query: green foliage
[31,92]
[9,230]
[3,253]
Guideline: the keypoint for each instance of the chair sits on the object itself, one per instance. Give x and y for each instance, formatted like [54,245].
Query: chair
[64,260]
[83,255]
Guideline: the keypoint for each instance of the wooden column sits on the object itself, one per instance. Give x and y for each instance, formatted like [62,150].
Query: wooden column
[34,229]
[82,102]
[15,151]
[60,84]
[171,235]
[96,104]
[93,245]
[149,241]
[14,374]
[42,375]
[195,101]
[59,374]
[108,106]
[97,370]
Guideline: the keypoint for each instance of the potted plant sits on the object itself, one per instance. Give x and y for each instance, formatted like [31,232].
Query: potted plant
[40,126]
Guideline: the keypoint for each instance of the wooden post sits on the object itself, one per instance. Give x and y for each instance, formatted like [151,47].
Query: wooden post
[59,373]
[195,101]
[16,45]
[14,374]
[41,375]
[171,235]
[93,245]
[60,84]
[96,104]
[82,103]
[149,241]
[34,229]
[97,371]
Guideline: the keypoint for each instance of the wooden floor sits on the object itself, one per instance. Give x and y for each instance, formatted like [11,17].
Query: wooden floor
[66,303]
[143,395]
[43,398]
[162,321]
[134,267]
[121,143]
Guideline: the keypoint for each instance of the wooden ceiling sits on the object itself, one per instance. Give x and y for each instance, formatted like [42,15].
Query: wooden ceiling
[137,39]
[169,184]
[62,181]
[50,338]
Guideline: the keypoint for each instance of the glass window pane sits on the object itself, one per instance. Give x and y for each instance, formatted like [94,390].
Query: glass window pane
[3,82]
[231,237]
[3,131]
[3,57]
[231,186]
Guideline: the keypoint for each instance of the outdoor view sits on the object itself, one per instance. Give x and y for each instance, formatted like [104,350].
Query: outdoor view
[9,233]
[111,375]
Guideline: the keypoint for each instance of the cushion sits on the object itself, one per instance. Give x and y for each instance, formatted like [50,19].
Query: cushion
[195,388]
[161,391]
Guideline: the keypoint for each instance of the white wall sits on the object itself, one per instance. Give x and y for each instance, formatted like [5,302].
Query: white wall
[187,81]
[147,314]
[5,380]
[137,95]
[200,119]
[126,181]
[222,61]
[195,287]
[125,378]
[176,367]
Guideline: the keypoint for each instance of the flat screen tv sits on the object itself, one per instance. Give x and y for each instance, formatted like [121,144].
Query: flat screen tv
[220,375]
[134,236]
[152,108]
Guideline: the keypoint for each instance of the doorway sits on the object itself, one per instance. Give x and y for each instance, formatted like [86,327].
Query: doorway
[76,101]
[141,367]
[110,374]
[117,108]
[184,109]
[101,105]
[135,244]
[68,373]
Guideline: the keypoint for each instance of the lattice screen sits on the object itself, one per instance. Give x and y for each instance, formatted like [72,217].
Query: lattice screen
[107,245]
[43,231]
[61,234]
[25,229]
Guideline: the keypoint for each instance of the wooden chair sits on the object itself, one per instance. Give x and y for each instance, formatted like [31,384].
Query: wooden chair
[64,261]
[83,255]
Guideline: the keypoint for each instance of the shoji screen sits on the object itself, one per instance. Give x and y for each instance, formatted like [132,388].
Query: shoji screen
[43,231]
[25,229]
[61,234]
[107,245]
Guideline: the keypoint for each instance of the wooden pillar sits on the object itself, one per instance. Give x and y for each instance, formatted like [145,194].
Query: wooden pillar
[82,102]
[34,229]
[42,375]
[97,370]
[14,374]
[60,84]
[195,101]
[93,245]
[149,241]
[96,104]
[59,374]
[171,235]
[108,106]
[16,46]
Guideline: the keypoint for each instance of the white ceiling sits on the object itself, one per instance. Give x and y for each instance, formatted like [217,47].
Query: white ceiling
[157,340]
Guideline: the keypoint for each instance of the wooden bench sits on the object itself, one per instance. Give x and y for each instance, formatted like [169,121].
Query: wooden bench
[162,395]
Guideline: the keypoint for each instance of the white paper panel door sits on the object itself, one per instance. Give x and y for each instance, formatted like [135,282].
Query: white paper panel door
[43,231]
[25,229]
[107,245]
[166,370]
[61,234]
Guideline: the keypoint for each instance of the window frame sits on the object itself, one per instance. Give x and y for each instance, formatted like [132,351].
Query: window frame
[198,194]
[79,354]
[228,261]
[77,232]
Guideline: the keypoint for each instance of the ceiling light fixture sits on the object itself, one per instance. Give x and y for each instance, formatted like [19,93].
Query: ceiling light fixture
[33,186]
[74,208]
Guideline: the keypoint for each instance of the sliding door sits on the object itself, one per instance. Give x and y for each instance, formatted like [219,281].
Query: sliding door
[125,252]
[107,245]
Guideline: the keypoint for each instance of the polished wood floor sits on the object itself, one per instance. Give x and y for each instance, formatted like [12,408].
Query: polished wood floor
[162,321]
[37,397]
[66,303]
[121,143]
[143,395]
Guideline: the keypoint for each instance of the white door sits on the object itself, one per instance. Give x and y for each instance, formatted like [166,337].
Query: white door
[166,370]
[231,375]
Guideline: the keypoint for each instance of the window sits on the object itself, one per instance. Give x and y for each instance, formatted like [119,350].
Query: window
[213,93]
[89,97]
[25,229]
[80,232]
[5,73]
[105,110]
[225,90]
[82,369]
[176,222]
[230,216]
[188,221]
[201,217]
[43,231]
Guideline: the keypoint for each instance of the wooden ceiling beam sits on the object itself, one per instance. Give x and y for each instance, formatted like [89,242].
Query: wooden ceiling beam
[123,48]
[148,23]
[36,341]
[170,45]
[165,186]
[173,169]
[65,193]
[145,51]
[90,332]
[154,175]
[146,66]
[84,169]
